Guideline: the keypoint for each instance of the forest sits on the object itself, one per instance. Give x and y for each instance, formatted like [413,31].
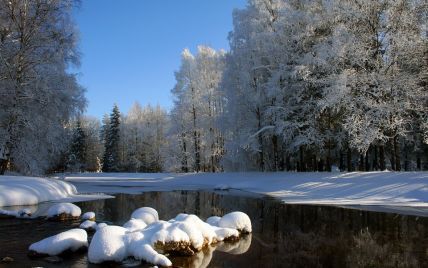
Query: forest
[322,85]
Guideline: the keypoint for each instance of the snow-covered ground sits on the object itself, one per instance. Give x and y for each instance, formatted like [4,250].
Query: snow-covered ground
[408,189]
[23,191]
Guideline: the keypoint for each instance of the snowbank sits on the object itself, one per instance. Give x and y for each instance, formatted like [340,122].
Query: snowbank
[22,191]
[73,240]
[18,191]
[64,208]
[405,189]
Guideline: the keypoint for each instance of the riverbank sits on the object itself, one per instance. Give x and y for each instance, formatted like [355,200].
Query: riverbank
[399,189]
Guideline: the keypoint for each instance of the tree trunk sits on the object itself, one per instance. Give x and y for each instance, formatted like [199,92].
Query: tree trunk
[375,159]
[361,164]
[3,166]
[341,162]
[392,153]
[349,160]
[382,158]
[275,152]
[367,163]
[302,166]
[397,154]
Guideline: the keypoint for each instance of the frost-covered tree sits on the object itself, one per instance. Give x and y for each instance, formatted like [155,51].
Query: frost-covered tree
[142,138]
[198,105]
[38,96]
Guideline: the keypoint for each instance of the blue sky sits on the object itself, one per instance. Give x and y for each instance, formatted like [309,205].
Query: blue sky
[131,48]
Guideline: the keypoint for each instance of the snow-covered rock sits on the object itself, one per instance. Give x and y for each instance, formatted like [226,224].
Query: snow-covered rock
[236,220]
[89,225]
[64,211]
[185,234]
[101,225]
[146,214]
[21,191]
[113,243]
[89,216]
[108,244]
[73,240]
[22,213]
[134,225]
[213,220]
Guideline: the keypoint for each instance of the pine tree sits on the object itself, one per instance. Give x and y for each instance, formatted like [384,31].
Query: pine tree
[76,159]
[111,145]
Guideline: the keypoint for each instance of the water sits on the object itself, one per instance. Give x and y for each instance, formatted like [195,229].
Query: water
[283,235]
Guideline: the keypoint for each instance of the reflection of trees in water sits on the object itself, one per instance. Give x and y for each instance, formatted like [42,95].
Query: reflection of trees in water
[367,252]
[295,235]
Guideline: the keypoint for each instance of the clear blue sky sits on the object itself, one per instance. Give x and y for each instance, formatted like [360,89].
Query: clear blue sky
[131,48]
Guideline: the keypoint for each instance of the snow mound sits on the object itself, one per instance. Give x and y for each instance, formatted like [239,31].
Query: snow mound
[146,214]
[134,225]
[64,208]
[73,240]
[185,234]
[88,216]
[113,243]
[108,245]
[236,220]
[213,220]
[21,191]
[89,225]
[101,225]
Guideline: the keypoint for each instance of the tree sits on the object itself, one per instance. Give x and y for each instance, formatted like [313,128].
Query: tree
[111,158]
[38,94]
[77,155]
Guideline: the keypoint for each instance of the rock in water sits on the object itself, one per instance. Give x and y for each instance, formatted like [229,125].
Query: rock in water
[63,212]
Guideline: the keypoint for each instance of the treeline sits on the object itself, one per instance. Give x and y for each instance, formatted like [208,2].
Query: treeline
[308,85]
[122,143]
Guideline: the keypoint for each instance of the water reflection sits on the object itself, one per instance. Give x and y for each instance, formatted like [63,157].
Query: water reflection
[283,235]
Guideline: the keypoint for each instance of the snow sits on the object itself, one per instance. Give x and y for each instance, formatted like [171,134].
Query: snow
[236,220]
[146,214]
[404,189]
[89,225]
[135,225]
[187,233]
[101,225]
[67,208]
[21,191]
[23,213]
[88,215]
[73,240]
[108,245]
[213,220]
[112,243]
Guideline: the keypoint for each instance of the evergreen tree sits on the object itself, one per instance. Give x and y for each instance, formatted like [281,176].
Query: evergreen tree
[76,159]
[111,144]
